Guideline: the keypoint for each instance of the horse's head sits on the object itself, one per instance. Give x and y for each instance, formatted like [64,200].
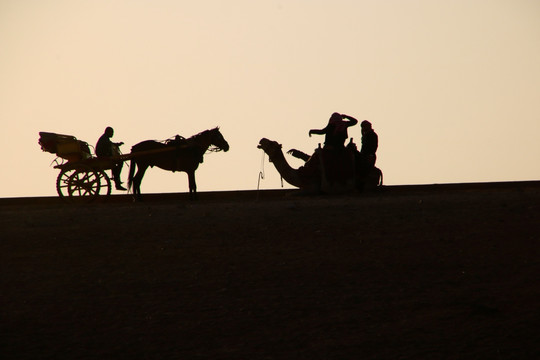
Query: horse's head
[217,139]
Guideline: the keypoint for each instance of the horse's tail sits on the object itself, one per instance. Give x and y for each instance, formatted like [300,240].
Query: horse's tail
[132,166]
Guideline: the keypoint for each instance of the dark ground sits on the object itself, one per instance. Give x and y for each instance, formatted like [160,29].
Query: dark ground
[428,272]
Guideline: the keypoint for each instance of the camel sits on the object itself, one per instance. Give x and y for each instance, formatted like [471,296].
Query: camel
[326,171]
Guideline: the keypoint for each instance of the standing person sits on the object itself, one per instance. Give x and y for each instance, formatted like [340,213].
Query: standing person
[336,130]
[105,148]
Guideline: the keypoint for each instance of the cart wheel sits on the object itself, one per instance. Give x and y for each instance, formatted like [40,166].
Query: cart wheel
[81,184]
[105,183]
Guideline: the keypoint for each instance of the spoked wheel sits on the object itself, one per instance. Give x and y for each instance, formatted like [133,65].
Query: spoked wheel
[82,184]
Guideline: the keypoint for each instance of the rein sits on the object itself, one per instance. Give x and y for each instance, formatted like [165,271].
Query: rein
[213,148]
[192,140]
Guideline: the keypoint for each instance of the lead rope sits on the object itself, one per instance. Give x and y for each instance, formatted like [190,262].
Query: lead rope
[261,174]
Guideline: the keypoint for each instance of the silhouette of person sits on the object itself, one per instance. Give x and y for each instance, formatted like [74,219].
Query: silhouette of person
[105,148]
[370,143]
[336,130]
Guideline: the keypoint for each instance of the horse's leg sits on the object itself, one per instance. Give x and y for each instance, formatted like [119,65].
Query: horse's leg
[192,185]
[137,180]
[132,167]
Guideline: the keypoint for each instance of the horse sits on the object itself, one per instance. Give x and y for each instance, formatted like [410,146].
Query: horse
[178,154]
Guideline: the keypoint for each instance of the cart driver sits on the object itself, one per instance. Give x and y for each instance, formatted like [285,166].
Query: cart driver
[106,148]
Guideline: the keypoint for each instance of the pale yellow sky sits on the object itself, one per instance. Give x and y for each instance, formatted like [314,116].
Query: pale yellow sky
[451,87]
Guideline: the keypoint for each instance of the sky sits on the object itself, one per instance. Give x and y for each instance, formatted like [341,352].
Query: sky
[451,87]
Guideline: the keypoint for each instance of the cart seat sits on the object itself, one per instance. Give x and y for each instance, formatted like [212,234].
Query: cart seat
[64,146]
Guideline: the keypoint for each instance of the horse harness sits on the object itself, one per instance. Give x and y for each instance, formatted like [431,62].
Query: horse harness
[181,143]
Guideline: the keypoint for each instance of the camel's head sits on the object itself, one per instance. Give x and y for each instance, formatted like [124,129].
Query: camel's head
[270,147]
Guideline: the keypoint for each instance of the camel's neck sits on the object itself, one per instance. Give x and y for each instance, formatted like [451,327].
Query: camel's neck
[288,174]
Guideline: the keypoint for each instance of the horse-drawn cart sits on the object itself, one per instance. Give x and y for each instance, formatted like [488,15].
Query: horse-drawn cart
[82,176]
